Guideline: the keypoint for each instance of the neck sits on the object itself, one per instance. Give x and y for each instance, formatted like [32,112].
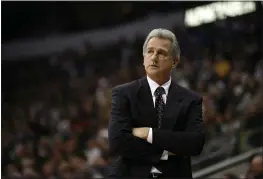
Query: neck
[160,79]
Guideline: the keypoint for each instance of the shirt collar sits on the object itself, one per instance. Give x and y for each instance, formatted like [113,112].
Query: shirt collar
[153,85]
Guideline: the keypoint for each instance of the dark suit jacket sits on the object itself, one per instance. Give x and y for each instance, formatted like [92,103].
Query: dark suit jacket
[182,131]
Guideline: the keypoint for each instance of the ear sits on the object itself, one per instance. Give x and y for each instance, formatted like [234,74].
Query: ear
[175,62]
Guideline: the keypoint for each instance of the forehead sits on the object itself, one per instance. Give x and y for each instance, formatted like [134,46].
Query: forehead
[159,43]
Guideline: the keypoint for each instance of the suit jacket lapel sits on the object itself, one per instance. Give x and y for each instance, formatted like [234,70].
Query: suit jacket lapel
[145,102]
[172,108]
[146,107]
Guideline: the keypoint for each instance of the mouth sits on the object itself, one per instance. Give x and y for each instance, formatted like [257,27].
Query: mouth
[155,66]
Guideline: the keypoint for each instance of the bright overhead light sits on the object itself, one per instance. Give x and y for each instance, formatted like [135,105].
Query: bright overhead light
[217,11]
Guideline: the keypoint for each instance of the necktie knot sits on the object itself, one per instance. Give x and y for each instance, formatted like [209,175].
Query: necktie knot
[159,91]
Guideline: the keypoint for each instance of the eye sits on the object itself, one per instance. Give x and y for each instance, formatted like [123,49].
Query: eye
[162,54]
[149,51]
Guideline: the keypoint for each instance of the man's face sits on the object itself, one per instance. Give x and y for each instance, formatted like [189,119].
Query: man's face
[77,162]
[256,165]
[70,145]
[11,170]
[158,57]
[48,169]
[67,174]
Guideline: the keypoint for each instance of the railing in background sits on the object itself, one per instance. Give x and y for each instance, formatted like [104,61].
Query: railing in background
[229,144]
[226,163]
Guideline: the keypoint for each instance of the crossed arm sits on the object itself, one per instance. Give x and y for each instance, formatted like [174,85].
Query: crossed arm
[132,142]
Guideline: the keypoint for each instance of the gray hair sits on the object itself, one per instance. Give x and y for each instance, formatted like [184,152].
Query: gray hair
[167,34]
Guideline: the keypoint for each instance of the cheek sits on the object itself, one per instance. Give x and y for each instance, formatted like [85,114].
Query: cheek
[147,60]
[166,66]
[145,63]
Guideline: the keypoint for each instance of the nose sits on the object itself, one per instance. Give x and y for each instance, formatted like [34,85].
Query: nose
[154,58]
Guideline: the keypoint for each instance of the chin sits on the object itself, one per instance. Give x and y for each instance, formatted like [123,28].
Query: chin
[153,72]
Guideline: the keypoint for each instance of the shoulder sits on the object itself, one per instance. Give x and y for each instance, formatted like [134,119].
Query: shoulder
[188,94]
[126,88]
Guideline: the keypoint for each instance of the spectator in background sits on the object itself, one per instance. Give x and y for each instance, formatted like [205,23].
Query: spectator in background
[256,168]
[12,171]
[66,171]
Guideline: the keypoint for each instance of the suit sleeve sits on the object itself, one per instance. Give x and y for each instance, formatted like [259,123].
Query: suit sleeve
[185,143]
[121,140]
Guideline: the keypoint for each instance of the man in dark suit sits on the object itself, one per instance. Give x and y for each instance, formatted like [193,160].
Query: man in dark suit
[156,125]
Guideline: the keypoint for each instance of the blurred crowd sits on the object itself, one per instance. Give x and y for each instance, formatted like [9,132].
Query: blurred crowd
[55,109]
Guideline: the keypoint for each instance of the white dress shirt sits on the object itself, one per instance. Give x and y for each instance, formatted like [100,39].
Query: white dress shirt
[153,86]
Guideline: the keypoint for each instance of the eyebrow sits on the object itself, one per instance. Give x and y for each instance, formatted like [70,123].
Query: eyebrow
[162,49]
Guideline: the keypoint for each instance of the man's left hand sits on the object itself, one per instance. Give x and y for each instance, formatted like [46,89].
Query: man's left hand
[141,132]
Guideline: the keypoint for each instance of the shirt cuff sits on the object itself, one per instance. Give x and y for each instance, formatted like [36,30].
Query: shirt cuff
[164,155]
[150,136]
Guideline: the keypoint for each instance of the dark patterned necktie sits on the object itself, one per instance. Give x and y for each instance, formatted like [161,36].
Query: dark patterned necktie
[159,104]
